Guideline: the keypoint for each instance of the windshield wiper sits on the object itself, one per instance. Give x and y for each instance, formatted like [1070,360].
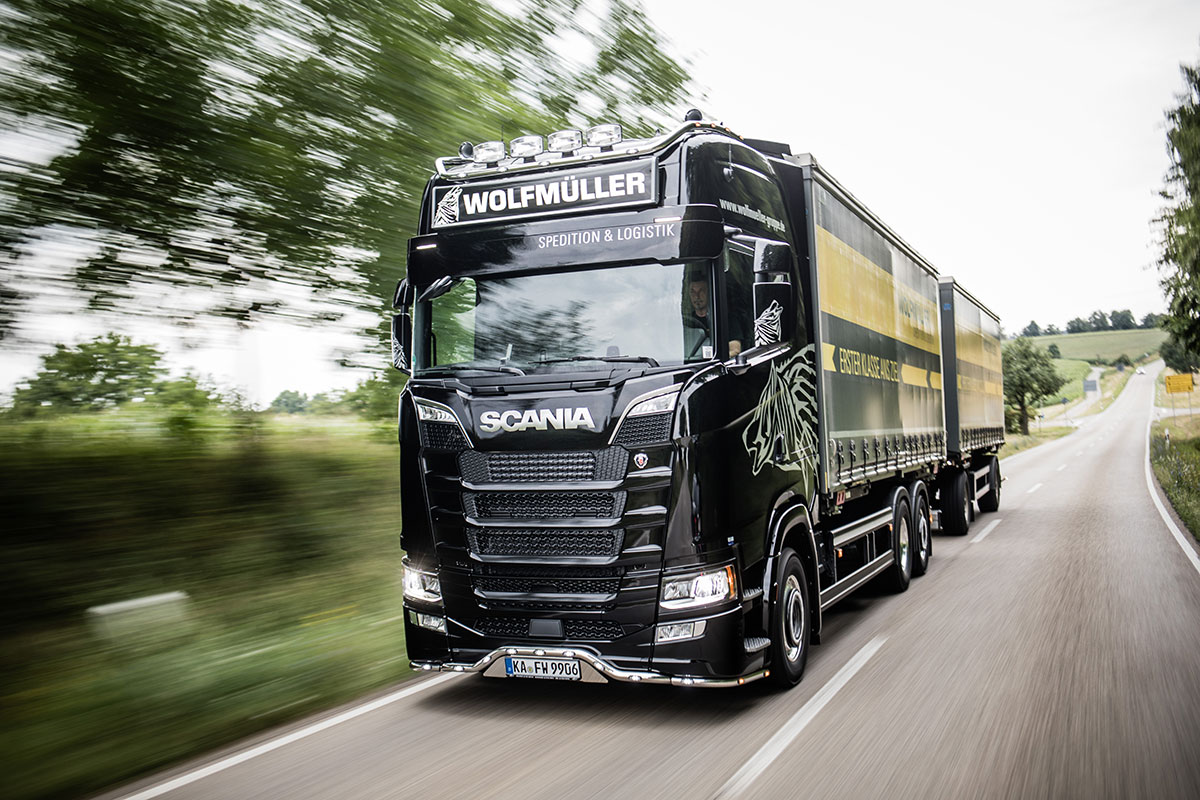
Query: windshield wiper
[451,369]
[637,359]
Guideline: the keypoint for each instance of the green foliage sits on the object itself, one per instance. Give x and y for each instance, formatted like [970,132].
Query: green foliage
[1032,329]
[285,543]
[1078,325]
[1151,320]
[290,402]
[1176,464]
[376,398]
[1029,375]
[1122,320]
[1180,261]
[1122,361]
[1054,351]
[1178,357]
[223,149]
[95,375]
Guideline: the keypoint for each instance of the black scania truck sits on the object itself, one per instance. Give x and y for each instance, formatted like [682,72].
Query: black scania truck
[670,399]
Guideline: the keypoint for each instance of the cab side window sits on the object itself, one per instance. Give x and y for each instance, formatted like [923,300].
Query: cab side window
[738,268]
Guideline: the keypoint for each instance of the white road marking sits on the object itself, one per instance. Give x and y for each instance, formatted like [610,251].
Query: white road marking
[1188,550]
[991,526]
[1061,468]
[744,777]
[275,744]
[1036,486]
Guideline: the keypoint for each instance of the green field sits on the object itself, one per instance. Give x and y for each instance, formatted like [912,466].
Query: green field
[282,533]
[1105,345]
[1074,372]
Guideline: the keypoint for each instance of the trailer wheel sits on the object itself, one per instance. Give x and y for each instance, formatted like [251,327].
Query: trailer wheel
[991,500]
[899,573]
[791,623]
[956,505]
[922,534]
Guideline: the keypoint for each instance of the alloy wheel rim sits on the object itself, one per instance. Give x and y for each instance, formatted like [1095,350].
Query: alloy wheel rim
[923,535]
[793,618]
[904,554]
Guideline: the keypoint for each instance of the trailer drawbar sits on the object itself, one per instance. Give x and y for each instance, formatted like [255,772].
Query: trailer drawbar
[669,400]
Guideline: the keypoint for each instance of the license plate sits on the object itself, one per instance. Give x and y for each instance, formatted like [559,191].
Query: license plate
[555,669]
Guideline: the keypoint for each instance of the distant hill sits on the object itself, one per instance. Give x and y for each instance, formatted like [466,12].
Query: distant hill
[1105,344]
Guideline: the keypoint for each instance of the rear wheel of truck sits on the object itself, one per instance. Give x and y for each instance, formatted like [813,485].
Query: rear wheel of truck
[956,505]
[899,573]
[991,500]
[790,622]
[922,534]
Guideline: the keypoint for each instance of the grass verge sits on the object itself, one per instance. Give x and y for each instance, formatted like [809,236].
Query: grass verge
[1177,465]
[285,541]
[1016,442]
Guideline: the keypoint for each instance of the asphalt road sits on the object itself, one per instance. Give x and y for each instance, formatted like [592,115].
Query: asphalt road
[1052,652]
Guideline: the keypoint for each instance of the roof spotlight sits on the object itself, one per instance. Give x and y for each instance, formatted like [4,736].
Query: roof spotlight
[488,152]
[466,150]
[525,146]
[565,141]
[603,135]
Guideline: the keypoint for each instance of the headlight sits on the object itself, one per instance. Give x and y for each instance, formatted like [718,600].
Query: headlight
[699,589]
[432,413]
[655,405]
[424,587]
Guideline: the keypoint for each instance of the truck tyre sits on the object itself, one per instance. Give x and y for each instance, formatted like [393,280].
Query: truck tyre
[956,505]
[898,575]
[921,533]
[791,623]
[991,500]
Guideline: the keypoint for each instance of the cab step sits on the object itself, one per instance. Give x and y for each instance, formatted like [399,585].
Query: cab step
[754,644]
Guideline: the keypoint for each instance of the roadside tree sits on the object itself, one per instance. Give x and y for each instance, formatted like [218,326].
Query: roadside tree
[1178,357]
[1078,325]
[1032,329]
[1180,261]
[91,376]
[1029,376]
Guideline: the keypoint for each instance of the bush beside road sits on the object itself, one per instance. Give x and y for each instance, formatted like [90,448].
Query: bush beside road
[281,537]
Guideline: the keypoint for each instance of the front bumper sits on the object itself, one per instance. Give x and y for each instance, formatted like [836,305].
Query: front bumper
[593,668]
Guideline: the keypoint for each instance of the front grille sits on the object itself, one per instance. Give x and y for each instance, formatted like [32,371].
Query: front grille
[582,465]
[648,429]
[535,542]
[518,628]
[513,627]
[546,585]
[540,505]
[443,436]
[591,629]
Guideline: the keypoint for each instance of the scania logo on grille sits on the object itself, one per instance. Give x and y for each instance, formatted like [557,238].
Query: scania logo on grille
[641,460]
[568,419]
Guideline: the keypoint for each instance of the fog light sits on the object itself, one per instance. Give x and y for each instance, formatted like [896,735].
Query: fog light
[564,141]
[678,631]
[430,622]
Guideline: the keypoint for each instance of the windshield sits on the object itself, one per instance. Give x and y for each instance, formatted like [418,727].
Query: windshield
[643,315]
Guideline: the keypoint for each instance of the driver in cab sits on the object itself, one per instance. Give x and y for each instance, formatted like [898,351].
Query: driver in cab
[698,321]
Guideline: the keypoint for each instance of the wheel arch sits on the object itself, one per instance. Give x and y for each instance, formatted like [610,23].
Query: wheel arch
[792,527]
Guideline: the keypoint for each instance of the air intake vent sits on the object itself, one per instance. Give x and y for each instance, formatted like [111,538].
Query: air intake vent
[542,505]
[648,429]
[581,465]
[443,436]
[545,543]
[547,585]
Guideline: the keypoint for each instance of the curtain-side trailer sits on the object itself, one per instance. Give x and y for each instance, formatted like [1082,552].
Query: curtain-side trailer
[670,399]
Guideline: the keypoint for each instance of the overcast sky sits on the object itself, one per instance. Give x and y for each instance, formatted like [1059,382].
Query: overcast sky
[1019,147]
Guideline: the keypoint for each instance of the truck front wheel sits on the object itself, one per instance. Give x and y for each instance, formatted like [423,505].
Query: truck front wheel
[790,622]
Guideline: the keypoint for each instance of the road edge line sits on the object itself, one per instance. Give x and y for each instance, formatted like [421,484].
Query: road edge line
[1158,504]
[774,747]
[274,744]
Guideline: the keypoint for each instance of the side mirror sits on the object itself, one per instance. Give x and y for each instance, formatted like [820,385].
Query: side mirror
[402,329]
[774,303]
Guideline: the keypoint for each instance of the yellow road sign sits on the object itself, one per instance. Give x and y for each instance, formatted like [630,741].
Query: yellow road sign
[1179,383]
